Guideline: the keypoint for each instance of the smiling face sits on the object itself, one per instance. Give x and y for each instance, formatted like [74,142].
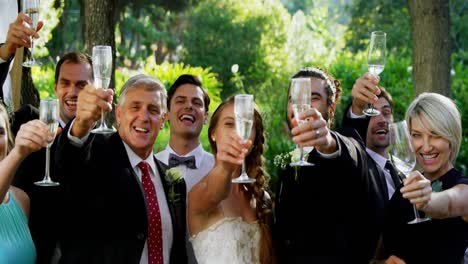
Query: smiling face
[377,132]
[318,100]
[187,111]
[72,78]
[140,117]
[226,125]
[432,151]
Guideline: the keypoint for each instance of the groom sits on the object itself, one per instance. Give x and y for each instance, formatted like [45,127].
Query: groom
[121,206]
[323,211]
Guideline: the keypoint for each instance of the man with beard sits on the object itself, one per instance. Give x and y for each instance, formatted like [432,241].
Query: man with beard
[72,74]
[335,191]
[188,104]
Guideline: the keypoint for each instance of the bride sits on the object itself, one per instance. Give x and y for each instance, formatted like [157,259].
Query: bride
[229,222]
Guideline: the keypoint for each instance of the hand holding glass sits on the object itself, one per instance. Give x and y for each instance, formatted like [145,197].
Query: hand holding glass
[376,62]
[102,69]
[31,9]
[244,116]
[402,156]
[49,114]
[300,100]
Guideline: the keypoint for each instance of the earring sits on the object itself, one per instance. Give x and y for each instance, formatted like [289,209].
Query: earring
[213,139]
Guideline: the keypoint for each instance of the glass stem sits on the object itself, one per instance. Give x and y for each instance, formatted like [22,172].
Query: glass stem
[301,152]
[103,118]
[32,48]
[243,174]
[47,165]
[416,214]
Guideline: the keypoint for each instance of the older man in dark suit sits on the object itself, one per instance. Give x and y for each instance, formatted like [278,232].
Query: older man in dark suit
[121,207]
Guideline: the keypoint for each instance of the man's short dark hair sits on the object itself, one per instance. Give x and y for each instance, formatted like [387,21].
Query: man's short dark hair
[187,79]
[73,57]
[386,95]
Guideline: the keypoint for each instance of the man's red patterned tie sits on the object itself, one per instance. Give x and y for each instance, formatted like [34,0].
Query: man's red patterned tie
[155,244]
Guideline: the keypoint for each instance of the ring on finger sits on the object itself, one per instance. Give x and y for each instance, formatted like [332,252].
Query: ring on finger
[317,133]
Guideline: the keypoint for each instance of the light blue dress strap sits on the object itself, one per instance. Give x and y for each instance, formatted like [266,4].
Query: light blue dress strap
[16,245]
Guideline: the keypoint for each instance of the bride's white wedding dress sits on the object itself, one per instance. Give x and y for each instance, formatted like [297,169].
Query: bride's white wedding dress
[230,240]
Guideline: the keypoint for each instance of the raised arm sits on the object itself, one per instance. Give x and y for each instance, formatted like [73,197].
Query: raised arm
[18,36]
[215,187]
[449,203]
[91,102]
[31,137]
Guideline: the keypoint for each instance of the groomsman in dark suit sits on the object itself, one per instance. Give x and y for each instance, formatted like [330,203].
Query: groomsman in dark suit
[375,131]
[72,74]
[121,207]
[323,211]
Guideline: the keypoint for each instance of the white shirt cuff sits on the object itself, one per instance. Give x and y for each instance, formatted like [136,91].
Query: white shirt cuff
[354,116]
[76,141]
[331,155]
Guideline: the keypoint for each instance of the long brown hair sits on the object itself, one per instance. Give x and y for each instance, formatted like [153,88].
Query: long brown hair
[254,164]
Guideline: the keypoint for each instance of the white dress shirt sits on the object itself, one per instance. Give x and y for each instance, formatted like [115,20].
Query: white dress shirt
[380,160]
[166,221]
[203,160]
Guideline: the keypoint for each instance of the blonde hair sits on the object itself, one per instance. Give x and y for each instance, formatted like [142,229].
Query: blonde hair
[4,115]
[442,116]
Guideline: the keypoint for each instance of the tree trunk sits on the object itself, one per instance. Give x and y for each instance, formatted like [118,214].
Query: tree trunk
[430,23]
[99,27]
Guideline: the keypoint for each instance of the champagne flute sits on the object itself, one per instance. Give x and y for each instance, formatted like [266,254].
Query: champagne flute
[102,69]
[244,115]
[49,114]
[300,99]
[403,157]
[31,9]
[376,62]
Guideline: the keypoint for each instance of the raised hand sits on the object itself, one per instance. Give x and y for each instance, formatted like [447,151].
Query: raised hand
[31,137]
[19,35]
[417,189]
[231,151]
[314,132]
[364,92]
[91,102]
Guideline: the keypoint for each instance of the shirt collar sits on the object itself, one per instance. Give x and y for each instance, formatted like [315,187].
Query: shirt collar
[135,159]
[379,159]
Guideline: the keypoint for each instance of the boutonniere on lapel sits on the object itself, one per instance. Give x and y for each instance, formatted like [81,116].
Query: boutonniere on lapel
[284,159]
[173,176]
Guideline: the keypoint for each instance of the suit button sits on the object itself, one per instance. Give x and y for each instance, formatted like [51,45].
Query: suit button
[140,236]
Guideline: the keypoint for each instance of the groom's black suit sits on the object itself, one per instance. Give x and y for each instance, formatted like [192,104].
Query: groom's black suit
[323,214]
[105,214]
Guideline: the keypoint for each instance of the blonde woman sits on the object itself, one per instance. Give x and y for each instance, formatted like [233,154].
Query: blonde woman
[435,127]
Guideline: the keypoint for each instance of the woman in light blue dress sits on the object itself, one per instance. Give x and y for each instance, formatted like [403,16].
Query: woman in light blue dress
[16,245]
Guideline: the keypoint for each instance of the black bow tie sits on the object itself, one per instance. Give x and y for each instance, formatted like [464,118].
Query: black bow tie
[175,161]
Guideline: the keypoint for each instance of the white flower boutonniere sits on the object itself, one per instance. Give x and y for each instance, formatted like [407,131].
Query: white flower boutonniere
[283,160]
[173,176]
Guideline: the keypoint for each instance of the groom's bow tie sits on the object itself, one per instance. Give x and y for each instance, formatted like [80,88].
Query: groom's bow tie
[175,161]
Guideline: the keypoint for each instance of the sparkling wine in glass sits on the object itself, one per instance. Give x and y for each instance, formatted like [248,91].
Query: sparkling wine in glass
[102,69]
[244,116]
[300,100]
[376,57]
[403,157]
[31,9]
[49,114]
